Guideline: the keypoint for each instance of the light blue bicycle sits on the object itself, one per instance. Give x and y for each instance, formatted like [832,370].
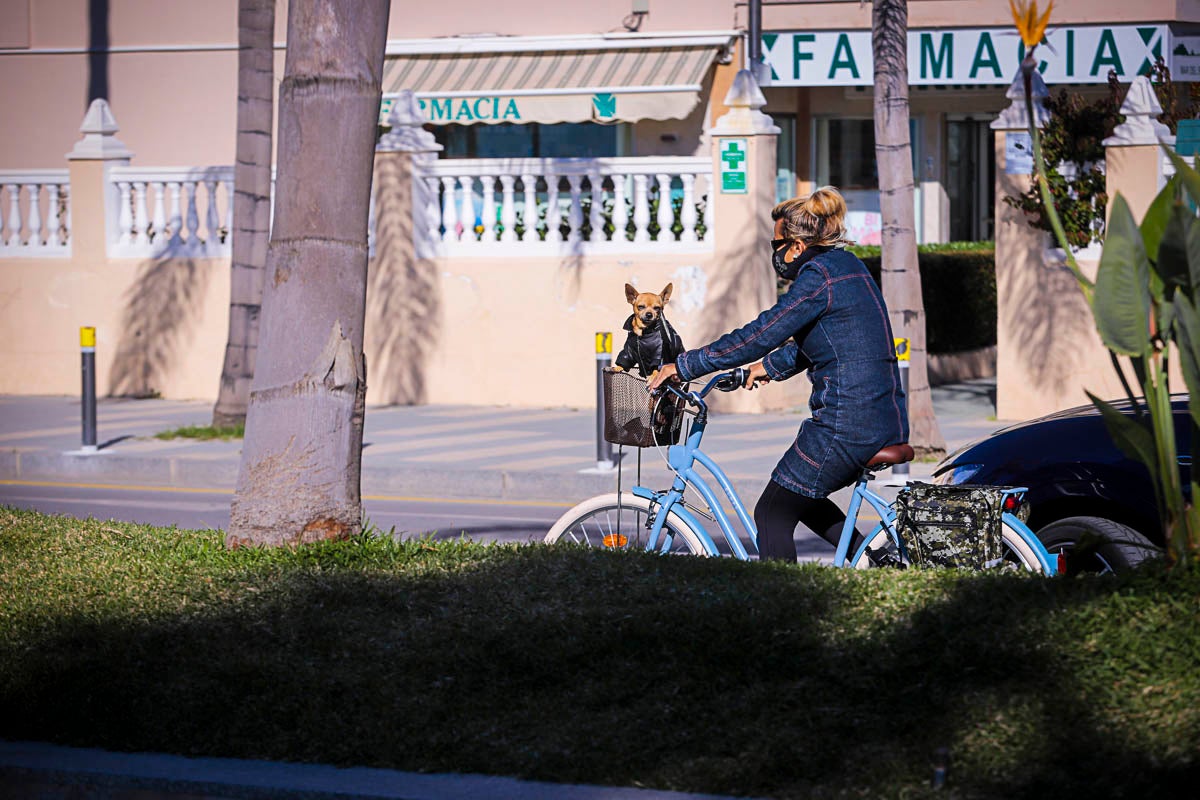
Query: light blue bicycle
[664,521]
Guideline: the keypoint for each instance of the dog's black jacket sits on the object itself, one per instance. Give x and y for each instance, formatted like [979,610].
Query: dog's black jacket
[652,349]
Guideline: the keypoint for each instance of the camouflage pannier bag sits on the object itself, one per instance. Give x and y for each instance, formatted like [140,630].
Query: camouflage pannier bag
[951,526]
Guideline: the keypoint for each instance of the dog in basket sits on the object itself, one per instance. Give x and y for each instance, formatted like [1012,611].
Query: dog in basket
[651,341]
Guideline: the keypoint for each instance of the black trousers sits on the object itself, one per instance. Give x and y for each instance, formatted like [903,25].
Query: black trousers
[780,510]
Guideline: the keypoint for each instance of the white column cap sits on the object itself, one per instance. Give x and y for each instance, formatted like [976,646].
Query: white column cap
[99,142]
[407,134]
[1141,126]
[744,117]
[1016,117]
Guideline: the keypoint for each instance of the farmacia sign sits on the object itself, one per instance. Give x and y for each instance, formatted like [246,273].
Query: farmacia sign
[979,56]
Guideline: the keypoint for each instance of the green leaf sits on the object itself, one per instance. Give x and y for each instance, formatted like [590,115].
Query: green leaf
[1154,223]
[1187,327]
[1186,175]
[1193,253]
[1133,438]
[1173,264]
[1122,300]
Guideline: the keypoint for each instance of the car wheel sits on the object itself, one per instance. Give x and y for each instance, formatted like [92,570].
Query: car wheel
[1095,544]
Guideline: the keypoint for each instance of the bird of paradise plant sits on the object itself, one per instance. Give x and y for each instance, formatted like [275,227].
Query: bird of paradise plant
[1144,302]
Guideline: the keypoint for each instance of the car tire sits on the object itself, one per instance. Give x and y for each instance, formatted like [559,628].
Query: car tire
[1097,545]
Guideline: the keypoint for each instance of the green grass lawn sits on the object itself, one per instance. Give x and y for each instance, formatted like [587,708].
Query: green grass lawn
[204,432]
[569,665]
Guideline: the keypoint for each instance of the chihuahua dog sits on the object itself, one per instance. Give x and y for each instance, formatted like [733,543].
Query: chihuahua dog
[651,341]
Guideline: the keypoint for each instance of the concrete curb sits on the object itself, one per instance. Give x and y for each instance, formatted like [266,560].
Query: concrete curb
[34,769]
[220,475]
[118,468]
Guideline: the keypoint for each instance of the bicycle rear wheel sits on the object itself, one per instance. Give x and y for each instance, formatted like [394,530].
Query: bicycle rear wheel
[1017,553]
[603,522]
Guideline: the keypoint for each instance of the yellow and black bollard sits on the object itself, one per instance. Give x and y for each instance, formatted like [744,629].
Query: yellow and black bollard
[604,454]
[87,346]
[900,471]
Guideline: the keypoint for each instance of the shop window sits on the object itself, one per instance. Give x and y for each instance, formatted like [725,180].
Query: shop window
[785,157]
[534,140]
[851,145]
[844,151]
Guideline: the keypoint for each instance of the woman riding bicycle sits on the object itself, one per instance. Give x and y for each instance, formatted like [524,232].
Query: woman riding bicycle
[832,322]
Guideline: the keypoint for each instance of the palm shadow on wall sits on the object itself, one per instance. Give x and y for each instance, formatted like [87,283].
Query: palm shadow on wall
[162,307]
[404,298]
[1049,318]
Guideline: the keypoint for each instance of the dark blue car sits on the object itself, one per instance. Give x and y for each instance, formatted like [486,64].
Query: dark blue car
[1087,499]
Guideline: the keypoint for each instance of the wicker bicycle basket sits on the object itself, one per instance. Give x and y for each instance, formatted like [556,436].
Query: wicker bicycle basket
[633,417]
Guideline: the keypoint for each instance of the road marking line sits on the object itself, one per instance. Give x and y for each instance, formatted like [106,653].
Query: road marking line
[502,451]
[442,442]
[380,497]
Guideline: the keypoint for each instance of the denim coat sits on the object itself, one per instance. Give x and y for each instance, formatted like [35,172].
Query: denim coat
[833,323]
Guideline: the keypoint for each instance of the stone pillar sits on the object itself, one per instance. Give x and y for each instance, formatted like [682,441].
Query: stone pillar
[1020,251]
[740,280]
[92,205]
[404,308]
[1047,348]
[1134,154]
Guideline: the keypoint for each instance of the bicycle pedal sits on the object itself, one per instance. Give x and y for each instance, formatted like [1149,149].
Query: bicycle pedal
[884,558]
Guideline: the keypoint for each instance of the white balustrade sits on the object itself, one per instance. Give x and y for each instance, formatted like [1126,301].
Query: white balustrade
[653,204]
[508,209]
[575,214]
[553,212]
[488,214]
[596,206]
[192,211]
[38,219]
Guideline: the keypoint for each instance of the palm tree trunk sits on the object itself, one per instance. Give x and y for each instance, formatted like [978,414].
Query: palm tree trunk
[251,206]
[901,276]
[302,455]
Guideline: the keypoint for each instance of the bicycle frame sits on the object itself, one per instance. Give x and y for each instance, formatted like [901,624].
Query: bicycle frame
[683,458]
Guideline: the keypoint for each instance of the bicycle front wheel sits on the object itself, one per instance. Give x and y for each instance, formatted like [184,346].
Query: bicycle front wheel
[1015,551]
[619,523]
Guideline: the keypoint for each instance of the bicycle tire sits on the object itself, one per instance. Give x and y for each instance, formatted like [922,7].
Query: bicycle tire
[1017,552]
[595,523]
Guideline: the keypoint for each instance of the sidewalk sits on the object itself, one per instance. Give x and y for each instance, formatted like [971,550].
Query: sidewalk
[418,451]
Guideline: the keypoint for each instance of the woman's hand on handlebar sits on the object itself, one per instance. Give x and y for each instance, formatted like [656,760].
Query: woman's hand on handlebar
[755,374]
[667,372]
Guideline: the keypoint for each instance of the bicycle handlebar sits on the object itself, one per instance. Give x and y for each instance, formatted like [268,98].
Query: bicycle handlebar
[725,382]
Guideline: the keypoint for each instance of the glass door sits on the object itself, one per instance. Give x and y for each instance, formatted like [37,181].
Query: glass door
[970,178]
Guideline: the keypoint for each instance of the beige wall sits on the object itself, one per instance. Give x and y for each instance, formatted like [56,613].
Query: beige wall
[160,326]
[513,331]
[410,21]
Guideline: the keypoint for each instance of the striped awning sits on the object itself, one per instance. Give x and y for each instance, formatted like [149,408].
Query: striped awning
[566,80]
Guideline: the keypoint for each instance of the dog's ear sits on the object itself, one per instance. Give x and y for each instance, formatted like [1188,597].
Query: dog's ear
[666,293]
[630,293]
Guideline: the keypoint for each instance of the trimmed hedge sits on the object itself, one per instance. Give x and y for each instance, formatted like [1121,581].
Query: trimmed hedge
[958,286]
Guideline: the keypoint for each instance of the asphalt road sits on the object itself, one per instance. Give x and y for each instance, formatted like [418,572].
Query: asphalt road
[442,518]
[492,521]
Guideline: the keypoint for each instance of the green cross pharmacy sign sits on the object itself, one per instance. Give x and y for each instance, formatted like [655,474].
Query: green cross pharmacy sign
[733,166]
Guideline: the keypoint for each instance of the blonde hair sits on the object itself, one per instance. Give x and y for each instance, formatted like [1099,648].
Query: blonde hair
[817,220]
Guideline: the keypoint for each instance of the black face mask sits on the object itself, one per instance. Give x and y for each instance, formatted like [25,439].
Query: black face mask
[783,269]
